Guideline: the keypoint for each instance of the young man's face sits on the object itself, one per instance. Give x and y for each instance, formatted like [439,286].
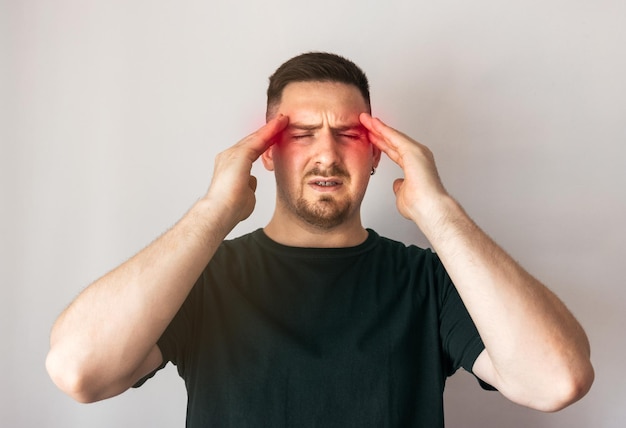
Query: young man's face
[323,159]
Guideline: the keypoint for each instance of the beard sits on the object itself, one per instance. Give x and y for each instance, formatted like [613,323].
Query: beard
[327,211]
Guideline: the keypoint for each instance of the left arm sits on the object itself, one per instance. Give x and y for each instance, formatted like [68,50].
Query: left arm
[536,353]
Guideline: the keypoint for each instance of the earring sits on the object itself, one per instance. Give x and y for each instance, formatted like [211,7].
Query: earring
[373,171]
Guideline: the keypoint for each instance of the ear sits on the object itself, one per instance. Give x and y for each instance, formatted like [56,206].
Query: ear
[268,158]
[376,153]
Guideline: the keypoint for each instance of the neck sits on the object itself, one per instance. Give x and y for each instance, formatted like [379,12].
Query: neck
[298,233]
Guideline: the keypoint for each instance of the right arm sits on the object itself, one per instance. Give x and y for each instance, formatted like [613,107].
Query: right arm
[105,341]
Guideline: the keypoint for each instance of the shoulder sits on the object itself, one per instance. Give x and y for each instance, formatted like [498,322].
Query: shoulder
[418,265]
[397,249]
[241,245]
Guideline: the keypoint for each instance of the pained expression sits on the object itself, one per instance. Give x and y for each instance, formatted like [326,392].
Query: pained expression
[323,159]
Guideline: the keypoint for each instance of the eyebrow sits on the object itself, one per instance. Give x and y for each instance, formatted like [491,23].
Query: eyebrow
[314,127]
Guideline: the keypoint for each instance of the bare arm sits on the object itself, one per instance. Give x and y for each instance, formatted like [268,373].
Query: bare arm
[536,353]
[106,339]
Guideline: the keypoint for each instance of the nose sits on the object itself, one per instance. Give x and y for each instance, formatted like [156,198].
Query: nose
[327,149]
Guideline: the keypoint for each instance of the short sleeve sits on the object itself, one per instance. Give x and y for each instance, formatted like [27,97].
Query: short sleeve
[175,341]
[459,337]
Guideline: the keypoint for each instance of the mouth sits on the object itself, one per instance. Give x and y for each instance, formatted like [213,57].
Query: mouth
[325,183]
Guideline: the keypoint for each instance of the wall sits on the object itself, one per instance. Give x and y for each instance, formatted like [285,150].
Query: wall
[112,114]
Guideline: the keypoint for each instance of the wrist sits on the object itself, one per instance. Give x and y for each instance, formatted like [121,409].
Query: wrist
[210,220]
[439,217]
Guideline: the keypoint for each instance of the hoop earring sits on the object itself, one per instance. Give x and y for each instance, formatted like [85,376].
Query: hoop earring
[373,171]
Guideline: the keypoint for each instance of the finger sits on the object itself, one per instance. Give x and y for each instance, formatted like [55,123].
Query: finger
[252,183]
[375,128]
[373,135]
[384,145]
[273,127]
[397,184]
[368,122]
[391,135]
[264,137]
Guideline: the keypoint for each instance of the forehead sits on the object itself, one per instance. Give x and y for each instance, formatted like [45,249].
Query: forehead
[312,101]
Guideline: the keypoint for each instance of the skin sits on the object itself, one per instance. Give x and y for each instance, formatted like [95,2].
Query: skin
[324,143]
[97,353]
[536,353]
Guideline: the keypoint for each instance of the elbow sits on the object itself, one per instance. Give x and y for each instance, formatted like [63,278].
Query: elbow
[68,376]
[571,388]
[553,390]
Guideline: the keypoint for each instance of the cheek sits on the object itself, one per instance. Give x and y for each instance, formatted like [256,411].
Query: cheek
[286,160]
[361,154]
[293,152]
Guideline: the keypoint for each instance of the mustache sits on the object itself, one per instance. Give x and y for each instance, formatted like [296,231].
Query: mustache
[332,171]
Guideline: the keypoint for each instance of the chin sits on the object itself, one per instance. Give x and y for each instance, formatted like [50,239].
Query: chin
[324,214]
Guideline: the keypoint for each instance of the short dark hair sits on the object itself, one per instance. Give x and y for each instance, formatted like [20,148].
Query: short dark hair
[315,67]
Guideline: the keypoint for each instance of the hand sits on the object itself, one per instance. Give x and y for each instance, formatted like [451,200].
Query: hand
[421,188]
[536,354]
[232,185]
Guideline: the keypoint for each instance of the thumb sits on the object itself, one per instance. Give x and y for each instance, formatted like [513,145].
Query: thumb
[397,184]
[252,182]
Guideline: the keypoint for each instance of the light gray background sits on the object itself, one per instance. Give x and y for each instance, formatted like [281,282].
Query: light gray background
[113,111]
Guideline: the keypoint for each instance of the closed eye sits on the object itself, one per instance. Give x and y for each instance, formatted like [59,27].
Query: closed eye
[351,136]
[301,136]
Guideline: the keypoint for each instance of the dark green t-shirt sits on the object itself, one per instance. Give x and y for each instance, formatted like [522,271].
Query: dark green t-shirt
[276,336]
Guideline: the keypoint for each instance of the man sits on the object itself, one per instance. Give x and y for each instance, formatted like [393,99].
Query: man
[315,320]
